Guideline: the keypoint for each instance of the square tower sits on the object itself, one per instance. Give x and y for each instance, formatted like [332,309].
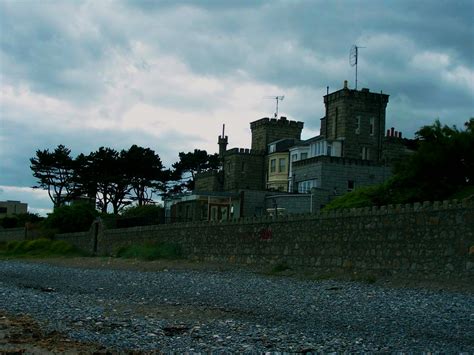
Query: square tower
[357,119]
[266,131]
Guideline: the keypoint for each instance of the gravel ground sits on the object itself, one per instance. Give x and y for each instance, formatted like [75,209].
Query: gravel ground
[234,311]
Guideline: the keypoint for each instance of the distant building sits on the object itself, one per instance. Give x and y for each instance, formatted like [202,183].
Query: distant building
[9,208]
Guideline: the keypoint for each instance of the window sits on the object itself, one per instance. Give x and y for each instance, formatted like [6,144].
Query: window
[372,122]
[272,148]
[304,156]
[214,213]
[329,150]
[3,210]
[272,165]
[365,153]
[357,131]
[350,185]
[294,157]
[281,165]
[306,186]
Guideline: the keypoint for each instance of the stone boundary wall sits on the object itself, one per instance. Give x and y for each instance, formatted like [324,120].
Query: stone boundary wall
[431,238]
[82,240]
[10,234]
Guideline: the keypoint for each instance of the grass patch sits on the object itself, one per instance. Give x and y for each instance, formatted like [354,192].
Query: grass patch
[39,248]
[280,267]
[150,251]
[465,192]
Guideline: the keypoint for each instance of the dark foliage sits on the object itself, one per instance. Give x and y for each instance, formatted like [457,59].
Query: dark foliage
[75,218]
[190,164]
[18,221]
[55,172]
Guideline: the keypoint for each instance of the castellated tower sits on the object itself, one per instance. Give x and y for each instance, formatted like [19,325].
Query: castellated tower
[223,140]
[357,119]
[266,130]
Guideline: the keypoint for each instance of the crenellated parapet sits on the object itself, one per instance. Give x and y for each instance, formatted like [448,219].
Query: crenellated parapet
[363,94]
[266,130]
[335,160]
[244,151]
[282,122]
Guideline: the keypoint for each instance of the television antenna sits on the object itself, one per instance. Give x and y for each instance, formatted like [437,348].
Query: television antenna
[277,98]
[354,59]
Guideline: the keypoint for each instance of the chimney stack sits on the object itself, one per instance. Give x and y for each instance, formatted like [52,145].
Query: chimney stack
[345,84]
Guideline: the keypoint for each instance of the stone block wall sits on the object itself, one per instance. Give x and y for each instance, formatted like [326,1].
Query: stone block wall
[82,240]
[209,181]
[244,169]
[429,239]
[334,173]
[291,203]
[10,234]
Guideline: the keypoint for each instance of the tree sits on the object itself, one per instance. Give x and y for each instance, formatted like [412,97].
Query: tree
[55,172]
[106,173]
[192,163]
[443,163]
[145,173]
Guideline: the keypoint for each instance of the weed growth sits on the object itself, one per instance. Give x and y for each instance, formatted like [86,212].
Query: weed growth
[38,248]
[280,267]
[150,251]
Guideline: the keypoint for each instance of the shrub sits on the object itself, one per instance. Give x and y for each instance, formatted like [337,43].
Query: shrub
[150,251]
[39,248]
[146,211]
[282,266]
[19,220]
[75,218]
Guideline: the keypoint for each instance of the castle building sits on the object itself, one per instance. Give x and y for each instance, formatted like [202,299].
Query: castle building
[282,173]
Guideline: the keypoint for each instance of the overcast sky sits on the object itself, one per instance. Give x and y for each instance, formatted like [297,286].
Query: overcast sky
[168,74]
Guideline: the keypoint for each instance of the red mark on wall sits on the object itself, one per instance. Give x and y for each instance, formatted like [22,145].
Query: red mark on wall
[266,234]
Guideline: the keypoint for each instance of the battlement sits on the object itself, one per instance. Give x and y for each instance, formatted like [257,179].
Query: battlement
[206,174]
[282,122]
[363,94]
[244,151]
[335,160]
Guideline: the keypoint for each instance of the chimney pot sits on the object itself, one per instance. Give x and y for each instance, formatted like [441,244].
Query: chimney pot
[345,84]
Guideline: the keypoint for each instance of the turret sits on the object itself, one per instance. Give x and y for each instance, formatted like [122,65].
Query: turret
[222,141]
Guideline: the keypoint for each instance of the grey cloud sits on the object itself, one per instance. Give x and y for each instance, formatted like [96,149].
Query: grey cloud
[19,142]
[270,41]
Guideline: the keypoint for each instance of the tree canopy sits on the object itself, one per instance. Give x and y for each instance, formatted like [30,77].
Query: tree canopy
[109,177]
[193,163]
[56,173]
